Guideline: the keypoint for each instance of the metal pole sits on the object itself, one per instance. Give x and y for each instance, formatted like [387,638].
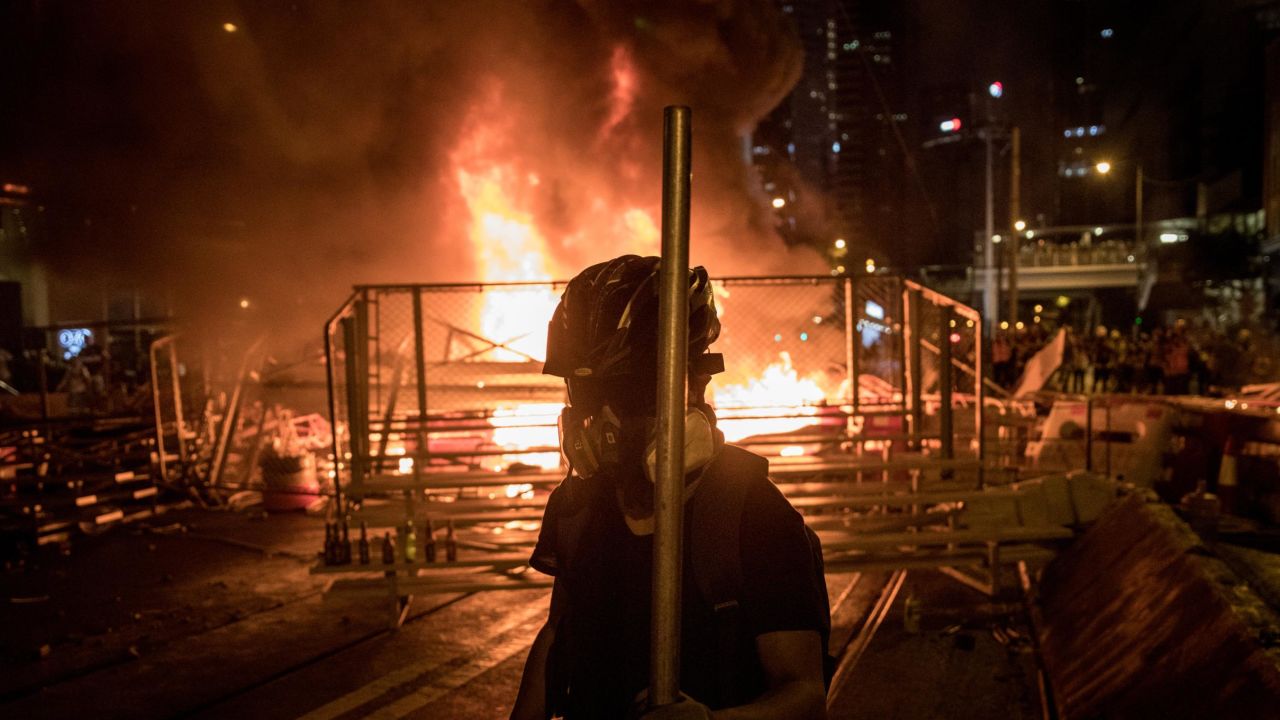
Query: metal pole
[673,334]
[980,392]
[851,350]
[1088,434]
[420,361]
[1015,209]
[913,323]
[1137,211]
[357,434]
[989,310]
[178,424]
[944,388]
[333,411]
[155,399]
[902,342]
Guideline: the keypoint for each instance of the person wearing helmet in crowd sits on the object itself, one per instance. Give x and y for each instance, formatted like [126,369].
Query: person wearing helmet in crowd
[760,654]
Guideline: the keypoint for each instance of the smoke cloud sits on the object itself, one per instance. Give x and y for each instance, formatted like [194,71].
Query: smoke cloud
[310,146]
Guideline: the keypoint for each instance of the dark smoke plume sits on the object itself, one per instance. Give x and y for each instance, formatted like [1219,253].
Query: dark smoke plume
[318,145]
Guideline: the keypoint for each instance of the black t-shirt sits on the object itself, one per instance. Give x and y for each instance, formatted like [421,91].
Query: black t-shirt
[606,635]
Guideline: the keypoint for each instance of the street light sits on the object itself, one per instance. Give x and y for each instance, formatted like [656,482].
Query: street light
[1103,167]
[779,203]
[1020,225]
[840,244]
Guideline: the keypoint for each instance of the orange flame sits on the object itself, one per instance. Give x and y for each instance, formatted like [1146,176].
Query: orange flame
[623,96]
[778,401]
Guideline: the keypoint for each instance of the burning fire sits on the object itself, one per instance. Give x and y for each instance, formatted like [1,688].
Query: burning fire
[528,425]
[510,246]
[778,401]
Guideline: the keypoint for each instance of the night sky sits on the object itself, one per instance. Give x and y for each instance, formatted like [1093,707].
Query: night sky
[311,148]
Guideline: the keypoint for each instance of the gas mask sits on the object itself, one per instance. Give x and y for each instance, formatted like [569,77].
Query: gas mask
[593,443]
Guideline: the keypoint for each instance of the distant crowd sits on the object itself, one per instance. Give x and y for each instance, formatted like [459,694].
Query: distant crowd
[1177,360]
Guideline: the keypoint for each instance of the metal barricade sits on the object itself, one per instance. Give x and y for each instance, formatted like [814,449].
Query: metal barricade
[442,418]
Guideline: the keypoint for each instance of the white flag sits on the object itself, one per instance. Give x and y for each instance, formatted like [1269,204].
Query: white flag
[1041,365]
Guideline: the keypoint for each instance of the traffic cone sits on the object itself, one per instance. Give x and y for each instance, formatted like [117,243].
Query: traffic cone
[1228,481]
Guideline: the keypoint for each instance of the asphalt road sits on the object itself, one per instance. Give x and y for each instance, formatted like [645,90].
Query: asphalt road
[214,615]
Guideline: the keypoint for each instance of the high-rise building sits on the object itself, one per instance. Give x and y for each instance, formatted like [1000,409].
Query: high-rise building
[826,153]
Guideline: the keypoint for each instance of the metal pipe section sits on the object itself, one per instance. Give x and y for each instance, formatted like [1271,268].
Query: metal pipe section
[901,348]
[914,302]
[357,432]
[944,387]
[178,424]
[851,350]
[420,378]
[1088,433]
[673,345]
[989,300]
[329,357]
[979,410]
[155,399]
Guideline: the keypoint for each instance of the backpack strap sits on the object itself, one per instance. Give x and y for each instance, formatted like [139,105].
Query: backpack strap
[715,523]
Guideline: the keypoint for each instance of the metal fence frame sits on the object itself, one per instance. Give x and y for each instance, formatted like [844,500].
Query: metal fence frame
[364,405]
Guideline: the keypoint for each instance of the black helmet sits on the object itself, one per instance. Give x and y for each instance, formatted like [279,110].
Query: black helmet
[606,324]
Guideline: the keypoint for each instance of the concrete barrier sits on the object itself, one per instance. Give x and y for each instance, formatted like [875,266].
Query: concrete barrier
[1138,619]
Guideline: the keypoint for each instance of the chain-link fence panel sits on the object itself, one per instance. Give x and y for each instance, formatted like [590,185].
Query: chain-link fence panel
[448,378]
[945,373]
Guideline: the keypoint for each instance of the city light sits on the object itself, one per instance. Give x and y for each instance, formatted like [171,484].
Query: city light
[1103,167]
[1004,324]
[996,89]
[1021,325]
[1020,225]
[871,265]
[244,303]
[779,203]
[230,27]
[1097,231]
[1062,301]
[951,125]
[996,239]
[1039,308]
[840,243]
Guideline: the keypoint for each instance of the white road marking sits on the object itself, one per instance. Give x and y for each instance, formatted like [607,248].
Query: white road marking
[478,665]
[408,673]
